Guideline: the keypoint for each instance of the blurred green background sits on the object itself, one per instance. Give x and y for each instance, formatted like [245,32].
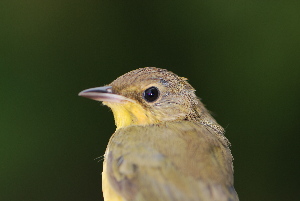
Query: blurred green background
[243,57]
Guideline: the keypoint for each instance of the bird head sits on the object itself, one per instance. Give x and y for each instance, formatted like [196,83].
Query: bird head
[147,96]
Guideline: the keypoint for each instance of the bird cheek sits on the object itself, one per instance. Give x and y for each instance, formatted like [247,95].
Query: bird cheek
[168,112]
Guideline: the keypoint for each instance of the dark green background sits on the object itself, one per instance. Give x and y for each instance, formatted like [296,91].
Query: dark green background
[241,56]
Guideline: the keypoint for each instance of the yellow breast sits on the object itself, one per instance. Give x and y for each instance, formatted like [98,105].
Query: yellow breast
[109,193]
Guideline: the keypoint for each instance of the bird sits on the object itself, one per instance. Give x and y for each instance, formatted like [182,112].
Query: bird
[167,146]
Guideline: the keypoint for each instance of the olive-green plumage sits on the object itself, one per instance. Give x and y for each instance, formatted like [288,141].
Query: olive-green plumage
[167,146]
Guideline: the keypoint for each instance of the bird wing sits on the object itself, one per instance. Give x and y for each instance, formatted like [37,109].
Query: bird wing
[170,161]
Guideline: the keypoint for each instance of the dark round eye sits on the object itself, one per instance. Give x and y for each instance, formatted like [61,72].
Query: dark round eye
[151,94]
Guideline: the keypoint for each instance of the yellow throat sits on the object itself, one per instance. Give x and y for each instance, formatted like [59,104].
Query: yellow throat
[130,113]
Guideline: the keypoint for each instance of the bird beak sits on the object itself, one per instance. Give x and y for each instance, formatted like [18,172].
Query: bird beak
[103,94]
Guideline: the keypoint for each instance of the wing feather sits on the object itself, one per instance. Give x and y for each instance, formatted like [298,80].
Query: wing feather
[170,161]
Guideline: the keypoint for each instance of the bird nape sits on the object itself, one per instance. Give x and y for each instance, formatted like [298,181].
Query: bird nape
[166,145]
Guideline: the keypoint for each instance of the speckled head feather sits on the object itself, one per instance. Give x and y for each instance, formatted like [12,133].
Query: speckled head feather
[177,100]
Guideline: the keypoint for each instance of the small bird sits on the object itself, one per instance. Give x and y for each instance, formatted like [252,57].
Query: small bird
[167,146]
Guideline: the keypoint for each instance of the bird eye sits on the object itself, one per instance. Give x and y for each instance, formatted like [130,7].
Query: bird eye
[151,94]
